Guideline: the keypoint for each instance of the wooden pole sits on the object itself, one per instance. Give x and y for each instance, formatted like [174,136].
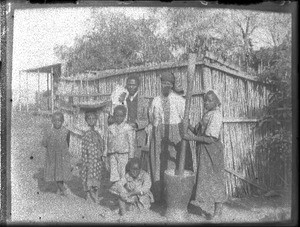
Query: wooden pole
[38,96]
[27,92]
[246,180]
[48,92]
[191,72]
[20,92]
[52,90]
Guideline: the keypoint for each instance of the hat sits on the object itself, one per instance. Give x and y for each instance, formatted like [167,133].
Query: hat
[167,76]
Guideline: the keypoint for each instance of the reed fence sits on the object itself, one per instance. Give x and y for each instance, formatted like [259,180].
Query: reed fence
[243,98]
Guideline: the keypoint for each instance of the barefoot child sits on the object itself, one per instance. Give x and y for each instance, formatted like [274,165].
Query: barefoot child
[133,190]
[210,184]
[92,158]
[57,161]
[120,144]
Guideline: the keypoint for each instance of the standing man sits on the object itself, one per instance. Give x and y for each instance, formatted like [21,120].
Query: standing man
[137,106]
[166,115]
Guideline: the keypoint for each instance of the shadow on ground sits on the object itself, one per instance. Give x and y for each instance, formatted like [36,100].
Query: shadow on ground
[75,185]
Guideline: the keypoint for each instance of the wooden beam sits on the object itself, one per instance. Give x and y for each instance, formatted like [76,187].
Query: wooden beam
[48,106]
[191,72]
[20,92]
[84,95]
[52,90]
[239,120]
[27,92]
[38,96]
[246,180]
[98,75]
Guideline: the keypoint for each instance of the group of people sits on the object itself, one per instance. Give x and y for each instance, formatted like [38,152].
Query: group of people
[137,187]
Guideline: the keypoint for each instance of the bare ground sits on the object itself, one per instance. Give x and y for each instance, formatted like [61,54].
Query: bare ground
[32,202]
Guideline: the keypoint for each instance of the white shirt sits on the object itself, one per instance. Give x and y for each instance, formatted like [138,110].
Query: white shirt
[212,123]
[132,97]
[177,107]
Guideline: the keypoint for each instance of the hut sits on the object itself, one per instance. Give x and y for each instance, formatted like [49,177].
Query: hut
[243,98]
[44,100]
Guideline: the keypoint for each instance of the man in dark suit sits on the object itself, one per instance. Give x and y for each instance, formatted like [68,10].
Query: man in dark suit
[137,106]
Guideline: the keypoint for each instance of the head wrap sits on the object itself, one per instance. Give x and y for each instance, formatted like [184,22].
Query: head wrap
[215,96]
[167,76]
[178,89]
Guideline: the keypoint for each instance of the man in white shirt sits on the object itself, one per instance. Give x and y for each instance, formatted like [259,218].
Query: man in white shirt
[166,114]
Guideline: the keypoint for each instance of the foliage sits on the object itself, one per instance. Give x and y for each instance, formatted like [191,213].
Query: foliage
[278,113]
[278,75]
[116,41]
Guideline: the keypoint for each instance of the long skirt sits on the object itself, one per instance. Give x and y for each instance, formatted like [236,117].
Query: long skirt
[165,149]
[210,180]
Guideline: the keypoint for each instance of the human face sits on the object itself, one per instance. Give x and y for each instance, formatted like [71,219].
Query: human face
[166,87]
[135,170]
[209,102]
[119,116]
[91,120]
[57,121]
[122,97]
[132,86]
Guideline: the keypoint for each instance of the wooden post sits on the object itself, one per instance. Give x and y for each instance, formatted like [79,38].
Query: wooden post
[38,96]
[27,92]
[52,90]
[48,92]
[20,92]
[191,72]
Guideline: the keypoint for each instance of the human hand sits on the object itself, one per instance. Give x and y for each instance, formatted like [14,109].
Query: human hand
[133,125]
[148,129]
[187,136]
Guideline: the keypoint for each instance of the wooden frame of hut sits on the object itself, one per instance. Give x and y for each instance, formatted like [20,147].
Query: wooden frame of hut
[242,96]
[53,73]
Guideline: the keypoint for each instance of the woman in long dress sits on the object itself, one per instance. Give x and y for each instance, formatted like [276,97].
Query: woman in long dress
[210,183]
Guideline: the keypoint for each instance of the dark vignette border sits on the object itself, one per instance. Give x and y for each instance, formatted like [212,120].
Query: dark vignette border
[4,157]
[6,75]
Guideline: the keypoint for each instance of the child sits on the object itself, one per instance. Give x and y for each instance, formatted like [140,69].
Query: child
[210,184]
[92,158]
[58,158]
[133,190]
[118,97]
[120,144]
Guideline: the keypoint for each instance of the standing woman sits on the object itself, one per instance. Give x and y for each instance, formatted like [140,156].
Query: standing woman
[210,182]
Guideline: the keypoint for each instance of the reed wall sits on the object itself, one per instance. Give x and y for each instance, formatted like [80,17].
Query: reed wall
[242,98]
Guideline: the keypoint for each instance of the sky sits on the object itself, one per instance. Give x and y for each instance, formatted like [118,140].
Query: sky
[38,31]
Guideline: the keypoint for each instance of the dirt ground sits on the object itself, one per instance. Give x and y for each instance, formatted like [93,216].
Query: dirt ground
[31,203]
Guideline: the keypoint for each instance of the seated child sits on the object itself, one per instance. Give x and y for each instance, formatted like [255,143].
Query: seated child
[133,190]
[120,144]
[57,158]
[92,159]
